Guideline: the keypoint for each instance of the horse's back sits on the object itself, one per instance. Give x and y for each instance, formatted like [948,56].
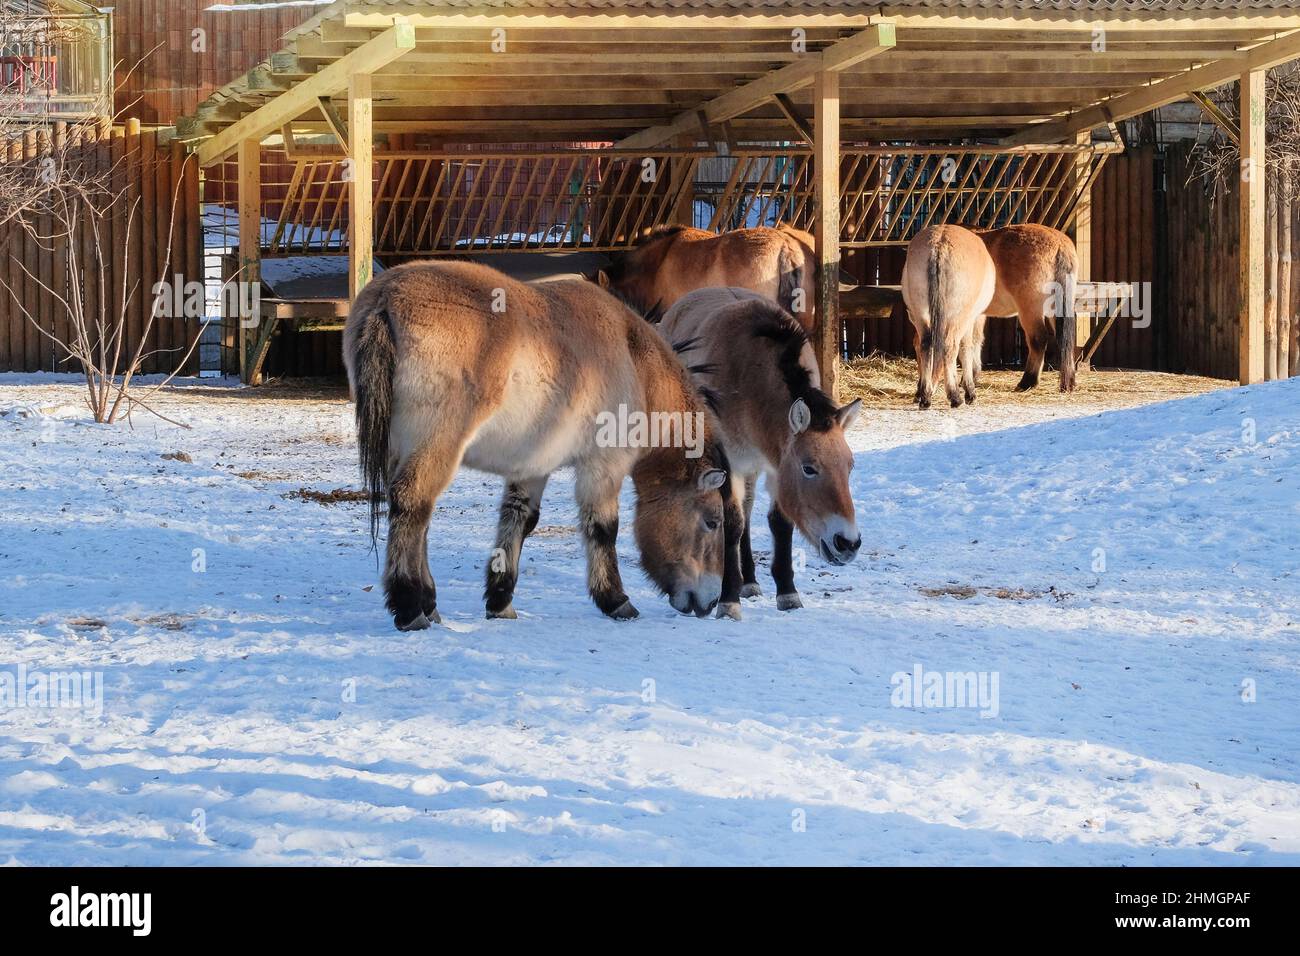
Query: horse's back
[527,365]
[1027,258]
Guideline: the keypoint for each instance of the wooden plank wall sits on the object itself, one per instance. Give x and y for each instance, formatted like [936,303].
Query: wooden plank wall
[153,40]
[1125,236]
[139,166]
[1202,286]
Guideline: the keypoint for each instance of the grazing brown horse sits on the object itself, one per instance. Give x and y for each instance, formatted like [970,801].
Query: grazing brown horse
[948,282]
[775,420]
[670,261]
[454,363]
[1037,269]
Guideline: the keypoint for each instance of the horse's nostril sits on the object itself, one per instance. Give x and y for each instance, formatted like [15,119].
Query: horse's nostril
[843,544]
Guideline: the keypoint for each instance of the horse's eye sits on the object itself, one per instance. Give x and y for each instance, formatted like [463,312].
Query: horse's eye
[809,471]
[711,524]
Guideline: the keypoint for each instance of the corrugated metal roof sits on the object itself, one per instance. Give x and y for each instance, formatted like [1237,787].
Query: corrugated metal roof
[865,6]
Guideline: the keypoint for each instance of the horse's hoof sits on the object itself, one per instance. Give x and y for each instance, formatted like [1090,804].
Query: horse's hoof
[788,602]
[421,623]
[1024,386]
[507,613]
[624,612]
[731,611]
[750,590]
[923,404]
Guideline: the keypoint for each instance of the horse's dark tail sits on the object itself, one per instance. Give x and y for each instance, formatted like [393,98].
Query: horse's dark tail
[938,321]
[1064,275]
[371,365]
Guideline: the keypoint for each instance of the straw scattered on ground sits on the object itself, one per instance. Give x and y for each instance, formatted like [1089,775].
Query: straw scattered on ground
[889,381]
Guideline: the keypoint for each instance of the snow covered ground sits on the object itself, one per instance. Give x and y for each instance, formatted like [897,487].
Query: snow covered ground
[1130,580]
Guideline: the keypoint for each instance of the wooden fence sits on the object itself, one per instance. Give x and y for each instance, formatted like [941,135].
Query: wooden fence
[174,53]
[139,172]
[1203,292]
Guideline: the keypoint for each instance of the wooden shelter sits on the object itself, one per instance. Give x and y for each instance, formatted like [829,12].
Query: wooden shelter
[658,78]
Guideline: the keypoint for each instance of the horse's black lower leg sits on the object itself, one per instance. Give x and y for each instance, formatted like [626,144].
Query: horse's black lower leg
[924,381]
[748,573]
[429,600]
[787,595]
[733,533]
[520,509]
[1037,339]
[952,384]
[599,527]
[408,584]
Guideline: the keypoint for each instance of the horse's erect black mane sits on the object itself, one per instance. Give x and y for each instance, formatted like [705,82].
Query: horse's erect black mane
[788,337]
[659,232]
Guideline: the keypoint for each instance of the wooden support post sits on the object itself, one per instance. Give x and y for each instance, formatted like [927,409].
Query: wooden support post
[1082,236]
[826,148]
[250,249]
[361,229]
[1285,302]
[1270,275]
[683,213]
[1250,348]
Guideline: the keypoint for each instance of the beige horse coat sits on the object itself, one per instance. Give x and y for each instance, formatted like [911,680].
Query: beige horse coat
[670,261]
[948,283]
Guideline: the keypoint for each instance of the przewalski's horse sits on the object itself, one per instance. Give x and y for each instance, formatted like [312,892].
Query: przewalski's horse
[670,261]
[1037,269]
[775,420]
[454,363]
[948,282]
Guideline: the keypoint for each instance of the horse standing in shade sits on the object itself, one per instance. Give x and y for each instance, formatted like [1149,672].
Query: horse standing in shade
[670,261]
[1037,269]
[775,420]
[454,363]
[948,283]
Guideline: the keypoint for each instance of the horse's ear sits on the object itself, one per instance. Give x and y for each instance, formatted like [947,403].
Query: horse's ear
[712,479]
[800,416]
[847,415]
[602,279]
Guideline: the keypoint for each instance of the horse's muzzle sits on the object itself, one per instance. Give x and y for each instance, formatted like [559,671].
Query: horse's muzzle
[840,550]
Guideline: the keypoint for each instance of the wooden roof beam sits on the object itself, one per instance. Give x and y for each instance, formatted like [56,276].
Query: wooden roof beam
[1221,119]
[306,95]
[791,112]
[1169,90]
[838,56]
